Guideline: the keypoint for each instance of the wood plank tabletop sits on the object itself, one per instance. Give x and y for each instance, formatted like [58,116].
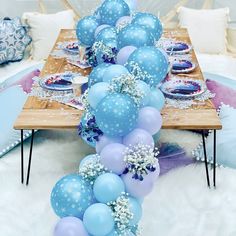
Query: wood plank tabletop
[45,114]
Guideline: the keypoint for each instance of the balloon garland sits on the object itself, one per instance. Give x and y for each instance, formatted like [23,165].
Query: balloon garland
[121,119]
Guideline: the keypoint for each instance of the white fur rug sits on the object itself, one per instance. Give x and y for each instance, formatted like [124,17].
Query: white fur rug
[180,204]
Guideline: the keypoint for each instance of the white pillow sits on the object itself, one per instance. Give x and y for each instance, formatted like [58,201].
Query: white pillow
[207,28]
[44,30]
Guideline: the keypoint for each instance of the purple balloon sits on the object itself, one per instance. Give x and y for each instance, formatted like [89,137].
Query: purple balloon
[137,188]
[123,21]
[124,53]
[155,174]
[138,136]
[112,157]
[100,28]
[70,226]
[104,141]
[150,120]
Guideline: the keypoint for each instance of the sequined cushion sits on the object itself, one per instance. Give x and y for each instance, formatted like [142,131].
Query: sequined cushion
[13,40]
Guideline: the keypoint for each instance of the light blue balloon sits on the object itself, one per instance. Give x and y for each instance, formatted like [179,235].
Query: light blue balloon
[85,30]
[86,159]
[114,71]
[112,10]
[117,233]
[150,60]
[150,22]
[104,57]
[108,187]
[98,220]
[97,74]
[96,93]
[71,196]
[145,89]
[135,35]
[136,209]
[107,33]
[116,115]
[156,99]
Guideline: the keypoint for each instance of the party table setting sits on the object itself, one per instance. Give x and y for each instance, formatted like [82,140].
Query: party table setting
[118,79]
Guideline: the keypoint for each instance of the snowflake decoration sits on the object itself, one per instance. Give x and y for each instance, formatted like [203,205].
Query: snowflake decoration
[140,160]
[91,169]
[126,84]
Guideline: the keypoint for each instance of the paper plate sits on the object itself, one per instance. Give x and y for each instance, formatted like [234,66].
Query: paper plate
[58,82]
[178,48]
[71,47]
[183,88]
[78,63]
[182,66]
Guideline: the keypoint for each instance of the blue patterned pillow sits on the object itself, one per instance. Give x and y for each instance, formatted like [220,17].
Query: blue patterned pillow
[13,40]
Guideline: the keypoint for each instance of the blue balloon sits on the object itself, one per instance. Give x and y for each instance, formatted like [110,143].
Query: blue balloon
[156,99]
[116,114]
[71,196]
[86,159]
[96,93]
[136,209]
[97,15]
[98,220]
[107,33]
[117,233]
[108,187]
[97,74]
[112,10]
[109,54]
[114,71]
[145,89]
[132,4]
[85,30]
[135,35]
[150,22]
[150,60]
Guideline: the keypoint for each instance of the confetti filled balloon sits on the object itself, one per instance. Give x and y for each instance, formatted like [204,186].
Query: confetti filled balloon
[134,35]
[85,30]
[71,196]
[97,74]
[152,65]
[112,157]
[98,220]
[114,71]
[150,22]
[138,136]
[112,10]
[97,92]
[124,53]
[116,114]
[149,119]
[156,99]
[106,33]
[104,141]
[108,187]
[70,226]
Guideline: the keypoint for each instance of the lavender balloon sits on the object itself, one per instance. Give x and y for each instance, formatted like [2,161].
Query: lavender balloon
[149,119]
[137,188]
[112,157]
[124,53]
[155,174]
[138,136]
[70,226]
[104,141]
[100,28]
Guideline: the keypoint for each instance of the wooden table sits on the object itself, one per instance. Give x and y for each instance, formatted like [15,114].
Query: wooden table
[40,114]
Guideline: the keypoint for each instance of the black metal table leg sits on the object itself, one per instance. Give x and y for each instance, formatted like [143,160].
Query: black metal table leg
[205,159]
[30,156]
[214,159]
[22,155]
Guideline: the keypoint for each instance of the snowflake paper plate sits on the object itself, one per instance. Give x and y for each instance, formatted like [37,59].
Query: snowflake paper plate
[183,88]
[178,48]
[182,66]
[71,47]
[58,82]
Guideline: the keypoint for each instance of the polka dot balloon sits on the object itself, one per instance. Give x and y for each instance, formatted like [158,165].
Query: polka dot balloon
[71,196]
[116,114]
[112,10]
[135,35]
[152,63]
